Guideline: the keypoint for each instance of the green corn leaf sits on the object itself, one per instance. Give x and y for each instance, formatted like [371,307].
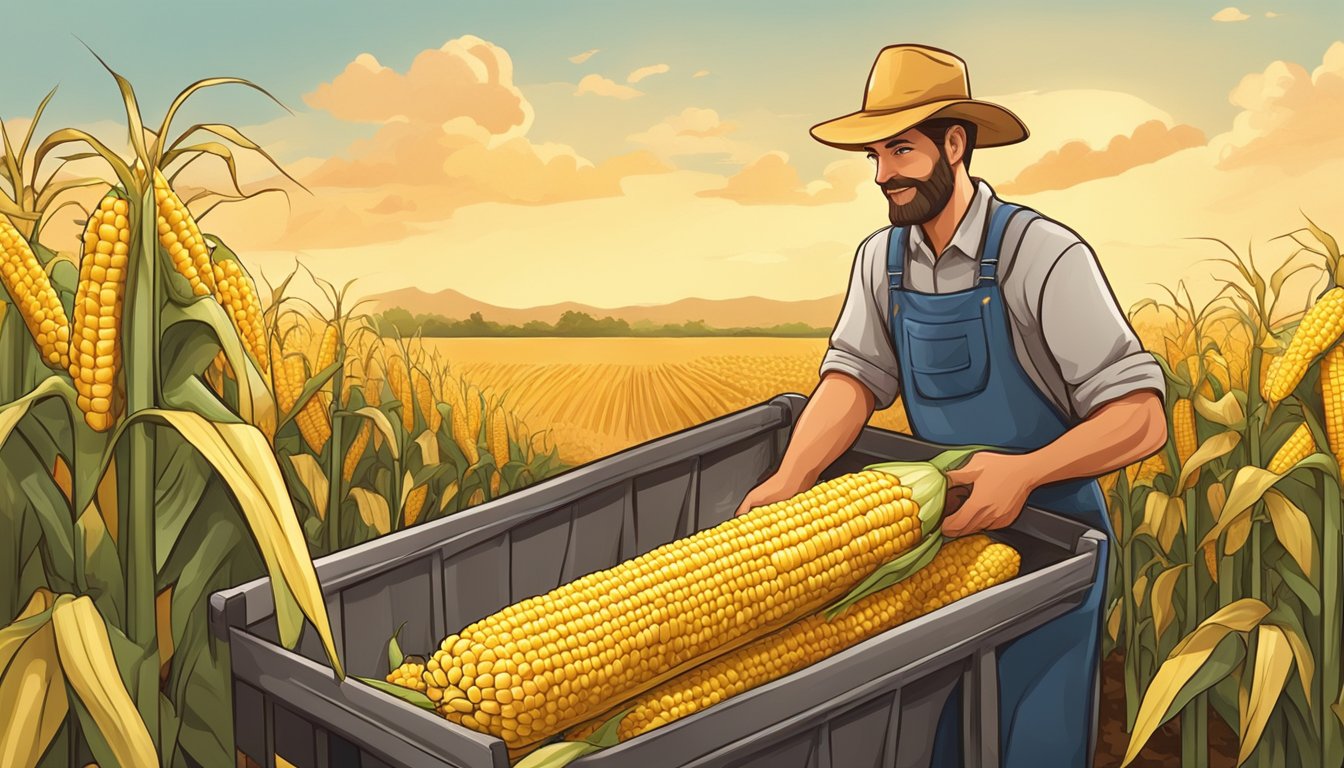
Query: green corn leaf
[890,574]
[394,655]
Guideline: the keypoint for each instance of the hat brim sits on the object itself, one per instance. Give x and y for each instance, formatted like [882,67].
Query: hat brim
[995,125]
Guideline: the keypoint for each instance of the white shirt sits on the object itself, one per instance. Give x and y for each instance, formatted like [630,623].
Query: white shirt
[1067,328]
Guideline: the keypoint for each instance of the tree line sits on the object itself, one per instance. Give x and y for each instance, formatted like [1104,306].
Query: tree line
[572,324]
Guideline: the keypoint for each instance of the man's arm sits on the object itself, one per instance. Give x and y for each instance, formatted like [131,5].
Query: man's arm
[832,419]
[1113,384]
[1117,434]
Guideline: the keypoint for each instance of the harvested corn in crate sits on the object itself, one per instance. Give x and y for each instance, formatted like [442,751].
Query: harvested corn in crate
[556,660]
[960,569]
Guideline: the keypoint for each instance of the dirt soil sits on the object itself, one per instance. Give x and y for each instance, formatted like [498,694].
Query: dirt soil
[1163,749]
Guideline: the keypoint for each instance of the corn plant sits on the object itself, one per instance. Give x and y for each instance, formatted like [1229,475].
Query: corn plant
[1262,649]
[128,490]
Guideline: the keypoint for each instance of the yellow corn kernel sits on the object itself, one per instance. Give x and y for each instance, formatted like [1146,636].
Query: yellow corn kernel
[180,237]
[98,304]
[1320,327]
[1183,425]
[1332,396]
[357,447]
[499,447]
[1297,447]
[236,292]
[681,604]
[415,504]
[961,568]
[30,289]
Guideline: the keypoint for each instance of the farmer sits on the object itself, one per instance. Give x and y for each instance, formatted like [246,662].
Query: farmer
[997,326]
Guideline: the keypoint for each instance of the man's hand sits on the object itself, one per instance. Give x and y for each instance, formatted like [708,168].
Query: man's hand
[777,487]
[999,483]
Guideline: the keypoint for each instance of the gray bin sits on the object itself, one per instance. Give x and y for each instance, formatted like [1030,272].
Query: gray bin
[875,704]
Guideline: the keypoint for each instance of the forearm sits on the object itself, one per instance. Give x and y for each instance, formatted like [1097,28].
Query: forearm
[827,427]
[1116,435]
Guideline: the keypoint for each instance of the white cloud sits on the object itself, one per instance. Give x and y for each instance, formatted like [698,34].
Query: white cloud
[579,58]
[701,73]
[1271,15]
[694,131]
[1231,13]
[649,71]
[601,86]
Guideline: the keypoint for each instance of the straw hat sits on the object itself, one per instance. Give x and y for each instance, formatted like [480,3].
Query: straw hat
[913,83]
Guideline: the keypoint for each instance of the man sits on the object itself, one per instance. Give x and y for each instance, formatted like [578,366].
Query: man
[998,328]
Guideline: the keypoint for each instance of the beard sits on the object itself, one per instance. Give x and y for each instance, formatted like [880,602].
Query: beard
[931,195]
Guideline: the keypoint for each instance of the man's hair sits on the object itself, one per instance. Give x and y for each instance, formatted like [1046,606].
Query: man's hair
[936,129]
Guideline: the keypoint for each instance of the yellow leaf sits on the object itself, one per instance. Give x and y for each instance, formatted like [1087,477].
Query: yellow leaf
[1184,661]
[1140,588]
[1217,500]
[1306,663]
[1160,599]
[244,460]
[1238,531]
[429,448]
[1225,411]
[60,473]
[32,689]
[373,509]
[1273,660]
[1113,623]
[314,480]
[85,654]
[383,426]
[1249,485]
[1293,530]
[1220,444]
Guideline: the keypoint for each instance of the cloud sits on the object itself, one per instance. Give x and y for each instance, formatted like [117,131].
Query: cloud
[467,77]
[694,131]
[1230,14]
[579,58]
[701,73]
[1289,116]
[772,180]
[649,71]
[1271,15]
[1077,162]
[601,86]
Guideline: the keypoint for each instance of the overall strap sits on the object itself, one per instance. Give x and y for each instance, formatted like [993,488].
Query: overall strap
[993,242]
[896,256]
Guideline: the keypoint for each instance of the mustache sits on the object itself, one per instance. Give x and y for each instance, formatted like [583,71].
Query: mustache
[896,186]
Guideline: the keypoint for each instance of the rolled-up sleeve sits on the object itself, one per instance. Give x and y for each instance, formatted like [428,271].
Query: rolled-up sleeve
[860,345]
[1097,352]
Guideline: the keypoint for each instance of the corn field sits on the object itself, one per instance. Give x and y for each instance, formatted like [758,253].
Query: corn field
[1225,594]
[164,435]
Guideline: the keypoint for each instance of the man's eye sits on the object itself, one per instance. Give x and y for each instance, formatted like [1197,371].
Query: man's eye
[872,158]
[903,150]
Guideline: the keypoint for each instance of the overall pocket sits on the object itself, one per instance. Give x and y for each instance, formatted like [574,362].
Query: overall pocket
[948,360]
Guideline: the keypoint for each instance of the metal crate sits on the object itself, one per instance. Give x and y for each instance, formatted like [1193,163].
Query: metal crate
[875,704]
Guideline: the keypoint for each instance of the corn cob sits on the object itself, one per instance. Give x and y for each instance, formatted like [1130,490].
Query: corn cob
[415,504]
[313,419]
[95,338]
[460,424]
[357,447]
[32,293]
[409,675]
[1211,561]
[236,291]
[1320,327]
[1183,423]
[1298,447]
[1268,373]
[1144,472]
[180,237]
[399,381]
[961,568]
[555,660]
[499,447]
[425,395]
[286,377]
[1332,396]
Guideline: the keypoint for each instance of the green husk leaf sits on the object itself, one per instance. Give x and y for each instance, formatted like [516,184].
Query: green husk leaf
[890,574]
[557,755]
[394,655]
[405,694]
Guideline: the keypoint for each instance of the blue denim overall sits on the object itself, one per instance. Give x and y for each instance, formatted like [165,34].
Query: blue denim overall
[963,384]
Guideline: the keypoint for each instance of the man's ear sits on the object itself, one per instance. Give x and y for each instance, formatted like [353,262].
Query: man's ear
[954,144]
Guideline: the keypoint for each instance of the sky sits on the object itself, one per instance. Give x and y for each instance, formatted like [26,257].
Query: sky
[630,153]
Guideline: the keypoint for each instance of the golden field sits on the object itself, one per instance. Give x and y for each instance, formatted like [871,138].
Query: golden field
[598,396]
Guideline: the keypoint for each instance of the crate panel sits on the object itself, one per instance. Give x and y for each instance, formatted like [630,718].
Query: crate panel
[858,737]
[727,474]
[375,608]
[294,739]
[797,752]
[595,533]
[475,582]
[249,721]
[540,548]
[664,506]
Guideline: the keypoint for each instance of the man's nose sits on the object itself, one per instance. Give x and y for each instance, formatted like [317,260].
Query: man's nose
[885,172]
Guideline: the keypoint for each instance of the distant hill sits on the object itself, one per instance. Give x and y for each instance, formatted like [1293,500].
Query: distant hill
[716,313]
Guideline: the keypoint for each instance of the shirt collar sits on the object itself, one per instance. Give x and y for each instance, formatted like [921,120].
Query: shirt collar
[966,240]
